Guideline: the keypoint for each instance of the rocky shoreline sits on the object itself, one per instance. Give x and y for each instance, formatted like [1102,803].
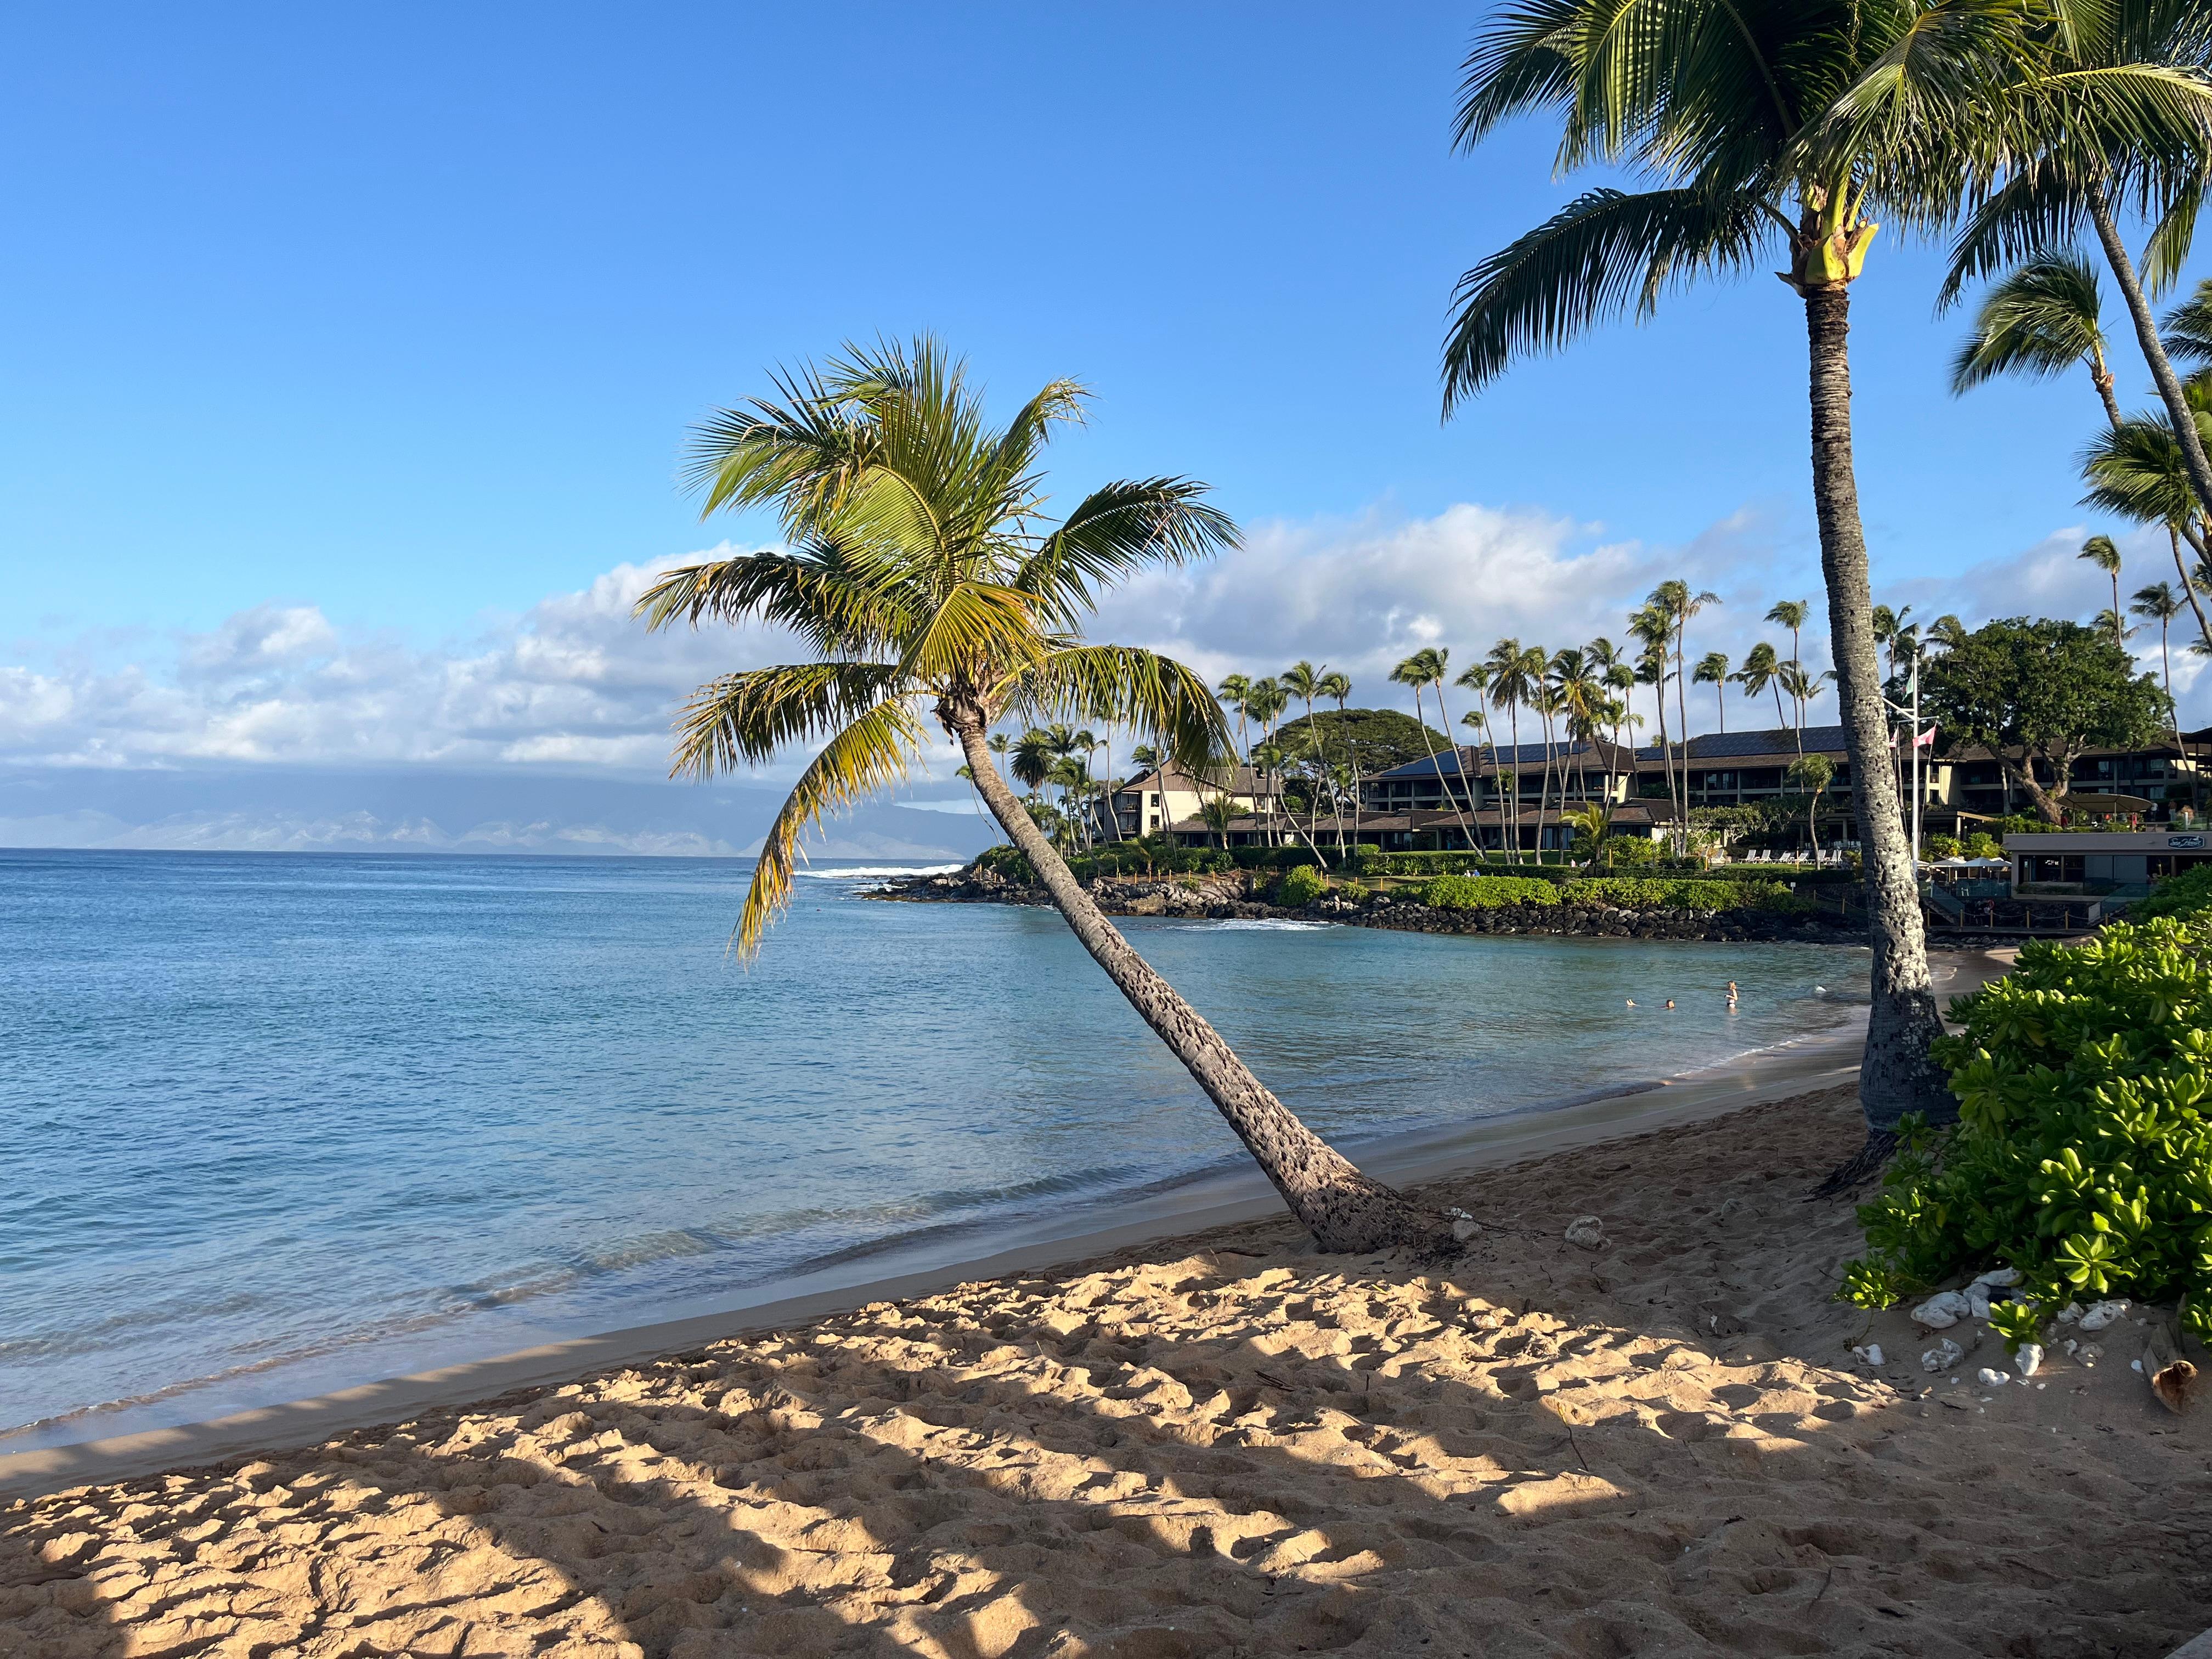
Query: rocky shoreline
[1233,896]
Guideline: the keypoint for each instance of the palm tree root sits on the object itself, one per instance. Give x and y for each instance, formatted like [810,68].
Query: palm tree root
[1862,1166]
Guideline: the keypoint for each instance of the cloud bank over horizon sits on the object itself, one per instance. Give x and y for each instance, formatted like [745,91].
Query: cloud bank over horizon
[574,688]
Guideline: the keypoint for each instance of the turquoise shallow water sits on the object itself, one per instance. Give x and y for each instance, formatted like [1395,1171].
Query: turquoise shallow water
[268,1109]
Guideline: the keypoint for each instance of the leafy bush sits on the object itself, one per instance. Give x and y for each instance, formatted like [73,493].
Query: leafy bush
[1487,892]
[1982,845]
[1644,893]
[1944,847]
[2184,895]
[1635,852]
[1005,861]
[1300,886]
[1270,858]
[2082,1155]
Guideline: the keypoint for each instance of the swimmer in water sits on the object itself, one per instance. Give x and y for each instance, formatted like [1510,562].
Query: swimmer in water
[1731,995]
[1670,1002]
[1631,1002]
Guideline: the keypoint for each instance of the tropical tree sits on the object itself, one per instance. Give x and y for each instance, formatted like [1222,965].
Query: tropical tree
[2101,551]
[1303,680]
[1713,670]
[1231,693]
[2041,319]
[2158,603]
[1475,678]
[1675,600]
[1812,774]
[1654,630]
[1336,686]
[2137,471]
[1511,686]
[926,583]
[1032,761]
[1421,671]
[2108,110]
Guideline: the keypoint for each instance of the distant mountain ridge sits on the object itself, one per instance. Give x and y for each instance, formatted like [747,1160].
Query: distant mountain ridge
[298,810]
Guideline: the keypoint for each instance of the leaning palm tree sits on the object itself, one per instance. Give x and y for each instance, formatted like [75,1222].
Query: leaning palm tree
[1231,693]
[1712,669]
[2041,319]
[1679,603]
[2101,551]
[928,584]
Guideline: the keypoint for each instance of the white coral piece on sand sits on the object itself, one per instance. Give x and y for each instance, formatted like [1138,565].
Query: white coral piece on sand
[1999,1278]
[1942,1311]
[1871,1353]
[1586,1233]
[2101,1314]
[1990,1377]
[1465,1227]
[2029,1359]
[2070,1314]
[1944,1355]
[1977,1300]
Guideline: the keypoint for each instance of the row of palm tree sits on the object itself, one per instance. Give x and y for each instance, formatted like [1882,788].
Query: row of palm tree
[2019,124]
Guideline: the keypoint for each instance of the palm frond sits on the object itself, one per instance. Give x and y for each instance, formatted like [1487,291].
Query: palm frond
[1157,697]
[2036,210]
[2040,320]
[1523,59]
[2187,330]
[2136,471]
[868,755]
[745,717]
[978,630]
[1603,251]
[2171,238]
[830,593]
[1117,531]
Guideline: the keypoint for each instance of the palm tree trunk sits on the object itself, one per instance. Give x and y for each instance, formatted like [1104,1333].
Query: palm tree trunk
[1897,1076]
[2161,368]
[1435,764]
[2188,588]
[1342,1208]
[1513,719]
[1467,827]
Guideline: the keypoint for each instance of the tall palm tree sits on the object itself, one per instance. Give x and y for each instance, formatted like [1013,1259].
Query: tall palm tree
[2041,318]
[1032,760]
[926,583]
[2108,110]
[1511,686]
[1475,678]
[2158,603]
[2101,551]
[1812,118]
[1336,686]
[2136,471]
[1264,702]
[1231,693]
[1303,680]
[1675,599]
[1791,614]
[1423,669]
[1762,669]
[1438,658]
[1654,630]
[1712,669]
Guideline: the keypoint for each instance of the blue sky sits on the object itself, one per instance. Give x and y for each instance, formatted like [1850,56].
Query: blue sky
[400,315]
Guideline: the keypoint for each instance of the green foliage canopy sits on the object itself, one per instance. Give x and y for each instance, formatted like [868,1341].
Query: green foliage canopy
[2082,1155]
[2041,689]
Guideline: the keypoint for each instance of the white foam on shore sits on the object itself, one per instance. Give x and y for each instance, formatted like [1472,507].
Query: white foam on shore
[876,872]
[1263,925]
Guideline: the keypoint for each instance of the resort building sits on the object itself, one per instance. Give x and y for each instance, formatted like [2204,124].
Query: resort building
[2102,860]
[1169,799]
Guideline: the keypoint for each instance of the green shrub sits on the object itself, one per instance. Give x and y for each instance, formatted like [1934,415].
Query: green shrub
[1300,886]
[1271,858]
[1630,852]
[1675,893]
[2082,1155]
[1982,845]
[1487,892]
[2184,894]
[1944,847]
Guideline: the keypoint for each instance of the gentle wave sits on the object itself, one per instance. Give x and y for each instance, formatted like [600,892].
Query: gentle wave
[863,872]
[1263,925]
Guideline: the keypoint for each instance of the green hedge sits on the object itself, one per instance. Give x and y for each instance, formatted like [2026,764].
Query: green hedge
[2082,1156]
[1664,893]
[1370,861]
[1487,892]
[1300,886]
[2184,894]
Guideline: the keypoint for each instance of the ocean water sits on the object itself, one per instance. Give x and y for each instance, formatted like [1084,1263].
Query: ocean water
[269,1118]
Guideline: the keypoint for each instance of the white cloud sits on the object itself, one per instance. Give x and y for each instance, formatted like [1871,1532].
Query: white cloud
[574,685]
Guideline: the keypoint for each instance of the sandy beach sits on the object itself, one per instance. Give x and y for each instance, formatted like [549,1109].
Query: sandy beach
[1224,1443]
